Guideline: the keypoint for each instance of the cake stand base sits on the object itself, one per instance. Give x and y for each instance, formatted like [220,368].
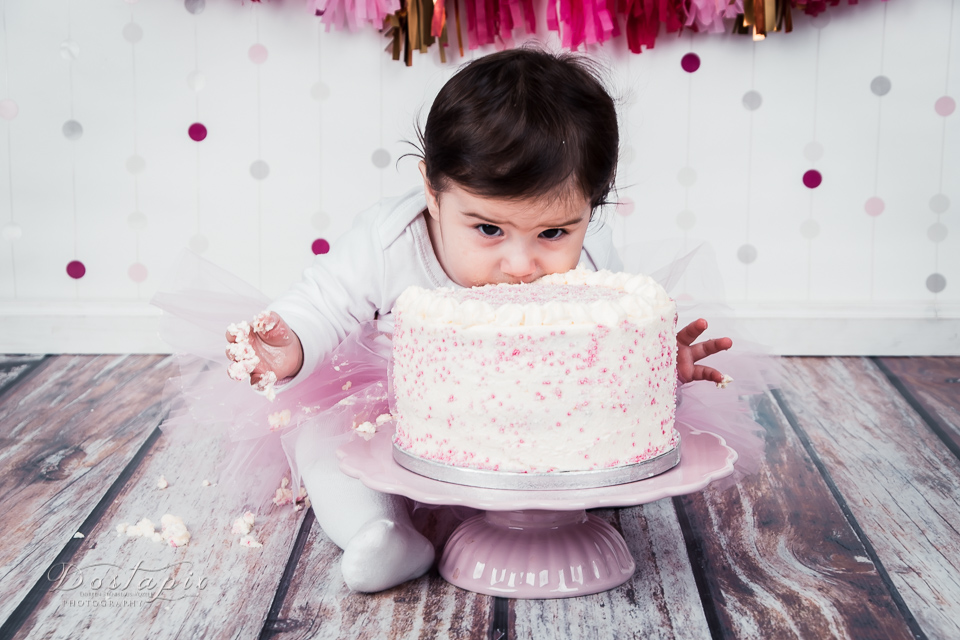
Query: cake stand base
[536,554]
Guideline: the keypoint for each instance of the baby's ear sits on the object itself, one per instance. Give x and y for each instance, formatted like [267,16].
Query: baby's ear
[433,201]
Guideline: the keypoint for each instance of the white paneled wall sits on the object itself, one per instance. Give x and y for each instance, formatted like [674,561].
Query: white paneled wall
[304,128]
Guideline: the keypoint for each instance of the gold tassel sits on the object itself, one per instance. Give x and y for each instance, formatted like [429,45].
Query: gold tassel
[761,17]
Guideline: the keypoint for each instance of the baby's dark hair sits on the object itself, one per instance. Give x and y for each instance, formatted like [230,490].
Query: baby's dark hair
[523,123]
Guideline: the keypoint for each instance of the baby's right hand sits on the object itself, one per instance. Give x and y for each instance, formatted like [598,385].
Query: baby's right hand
[269,346]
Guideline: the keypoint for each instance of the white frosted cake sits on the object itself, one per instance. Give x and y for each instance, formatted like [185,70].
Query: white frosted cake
[574,372]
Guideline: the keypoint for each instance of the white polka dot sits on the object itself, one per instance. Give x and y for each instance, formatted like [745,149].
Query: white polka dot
[136,164]
[199,243]
[8,109]
[137,221]
[880,86]
[627,154]
[72,130]
[320,91]
[939,203]
[937,232]
[809,229]
[752,100]
[821,20]
[195,6]
[259,170]
[133,33]
[747,254]
[69,50]
[11,231]
[320,221]
[686,220]
[813,151]
[196,81]
[381,158]
[687,176]
[936,282]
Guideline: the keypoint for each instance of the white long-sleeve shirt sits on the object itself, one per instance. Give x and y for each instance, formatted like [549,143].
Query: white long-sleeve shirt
[387,250]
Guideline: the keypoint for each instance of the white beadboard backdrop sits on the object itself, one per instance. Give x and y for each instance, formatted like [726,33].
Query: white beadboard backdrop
[305,127]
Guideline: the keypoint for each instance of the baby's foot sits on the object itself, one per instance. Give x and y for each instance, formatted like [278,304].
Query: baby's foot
[384,554]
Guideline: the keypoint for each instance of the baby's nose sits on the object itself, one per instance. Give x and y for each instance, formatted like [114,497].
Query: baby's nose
[519,265]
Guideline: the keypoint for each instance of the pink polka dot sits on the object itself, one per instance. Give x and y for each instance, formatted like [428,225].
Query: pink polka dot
[76,270]
[812,179]
[690,62]
[137,272]
[625,207]
[258,54]
[197,132]
[8,109]
[320,246]
[874,206]
[944,106]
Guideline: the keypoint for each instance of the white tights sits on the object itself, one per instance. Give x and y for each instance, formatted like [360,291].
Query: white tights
[381,548]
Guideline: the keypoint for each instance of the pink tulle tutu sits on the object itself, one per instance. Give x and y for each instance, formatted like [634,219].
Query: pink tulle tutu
[351,386]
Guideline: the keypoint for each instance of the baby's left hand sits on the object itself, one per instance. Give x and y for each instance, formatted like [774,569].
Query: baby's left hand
[688,353]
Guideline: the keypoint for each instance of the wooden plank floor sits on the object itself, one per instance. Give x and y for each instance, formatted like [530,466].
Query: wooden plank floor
[848,530]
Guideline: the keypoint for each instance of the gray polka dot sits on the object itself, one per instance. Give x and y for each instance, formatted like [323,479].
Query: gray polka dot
[72,130]
[686,220]
[137,221]
[687,176]
[195,6]
[320,221]
[747,254]
[752,100]
[939,203]
[259,170]
[69,50]
[809,229]
[132,33]
[813,151]
[936,282]
[320,91]
[820,21]
[937,232]
[136,164]
[199,243]
[627,154]
[11,231]
[381,158]
[880,86]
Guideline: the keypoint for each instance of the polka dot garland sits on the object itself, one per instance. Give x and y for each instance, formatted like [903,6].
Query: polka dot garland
[812,179]
[320,247]
[76,269]
[197,132]
[690,62]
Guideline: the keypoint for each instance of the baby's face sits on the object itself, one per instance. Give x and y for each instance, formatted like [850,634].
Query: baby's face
[481,240]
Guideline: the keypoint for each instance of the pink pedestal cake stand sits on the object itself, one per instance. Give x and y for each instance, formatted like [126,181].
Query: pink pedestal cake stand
[537,544]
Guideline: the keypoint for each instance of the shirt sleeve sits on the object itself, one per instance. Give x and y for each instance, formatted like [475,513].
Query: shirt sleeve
[338,291]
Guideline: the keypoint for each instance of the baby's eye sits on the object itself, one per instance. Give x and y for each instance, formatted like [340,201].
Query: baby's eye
[552,234]
[489,230]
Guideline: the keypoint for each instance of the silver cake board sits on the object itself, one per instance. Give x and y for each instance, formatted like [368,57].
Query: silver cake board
[557,480]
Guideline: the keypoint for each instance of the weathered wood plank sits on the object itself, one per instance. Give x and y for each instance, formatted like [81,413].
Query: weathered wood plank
[230,587]
[319,605]
[13,369]
[780,559]
[934,383]
[64,438]
[897,479]
[659,601]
